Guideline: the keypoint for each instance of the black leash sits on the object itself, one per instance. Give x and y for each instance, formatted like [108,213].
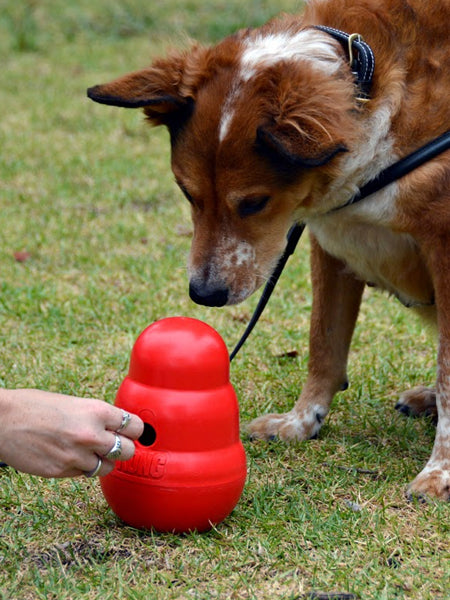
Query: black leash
[293,237]
[402,167]
[386,177]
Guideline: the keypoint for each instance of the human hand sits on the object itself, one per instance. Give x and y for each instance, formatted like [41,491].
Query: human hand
[55,435]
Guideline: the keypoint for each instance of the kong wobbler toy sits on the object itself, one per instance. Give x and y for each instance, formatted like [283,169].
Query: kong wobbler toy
[189,468]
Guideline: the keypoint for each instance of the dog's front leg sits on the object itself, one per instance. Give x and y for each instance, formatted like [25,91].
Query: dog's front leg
[336,300]
[434,480]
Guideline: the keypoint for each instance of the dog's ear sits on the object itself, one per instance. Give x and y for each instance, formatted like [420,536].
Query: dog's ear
[308,121]
[166,90]
[290,148]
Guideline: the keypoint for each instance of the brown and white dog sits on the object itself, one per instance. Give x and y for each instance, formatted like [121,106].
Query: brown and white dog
[267,129]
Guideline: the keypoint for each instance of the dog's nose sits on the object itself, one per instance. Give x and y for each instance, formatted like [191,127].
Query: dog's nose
[207,296]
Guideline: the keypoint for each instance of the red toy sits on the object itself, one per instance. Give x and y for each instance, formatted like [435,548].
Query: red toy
[189,468]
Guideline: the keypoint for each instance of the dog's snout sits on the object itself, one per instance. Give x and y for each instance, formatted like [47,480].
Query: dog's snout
[206,295]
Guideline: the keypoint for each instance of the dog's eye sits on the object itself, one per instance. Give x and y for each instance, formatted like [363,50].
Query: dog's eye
[185,192]
[252,206]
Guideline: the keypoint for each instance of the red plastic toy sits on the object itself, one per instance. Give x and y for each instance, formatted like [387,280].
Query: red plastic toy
[189,468]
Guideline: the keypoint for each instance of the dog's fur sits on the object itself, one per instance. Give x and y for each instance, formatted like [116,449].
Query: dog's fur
[266,130]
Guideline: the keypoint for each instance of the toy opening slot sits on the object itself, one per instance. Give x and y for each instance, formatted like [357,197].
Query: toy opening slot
[148,436]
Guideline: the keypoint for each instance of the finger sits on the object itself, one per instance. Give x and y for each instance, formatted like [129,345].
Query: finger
[95,470]
[98,467]
[131,427]
[116,447]
[107,467]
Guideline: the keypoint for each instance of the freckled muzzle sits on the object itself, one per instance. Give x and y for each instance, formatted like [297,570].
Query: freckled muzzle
[226,277]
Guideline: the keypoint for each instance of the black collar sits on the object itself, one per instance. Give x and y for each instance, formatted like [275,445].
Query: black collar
[360,55]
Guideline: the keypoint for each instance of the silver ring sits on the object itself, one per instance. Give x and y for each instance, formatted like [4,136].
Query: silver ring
[116,450]
[94,471]
[126,418]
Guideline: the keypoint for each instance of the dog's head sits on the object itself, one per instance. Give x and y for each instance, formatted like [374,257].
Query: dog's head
[258,125]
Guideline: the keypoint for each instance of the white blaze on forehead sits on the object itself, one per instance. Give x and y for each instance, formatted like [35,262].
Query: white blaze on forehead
[264,51]
[308,44]
[228,108]
[227,116]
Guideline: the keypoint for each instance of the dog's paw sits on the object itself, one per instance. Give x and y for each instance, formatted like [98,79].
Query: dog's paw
[432,482]
[420,401]
[291,426]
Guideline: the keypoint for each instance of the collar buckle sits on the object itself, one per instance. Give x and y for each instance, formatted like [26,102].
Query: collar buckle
[361,59]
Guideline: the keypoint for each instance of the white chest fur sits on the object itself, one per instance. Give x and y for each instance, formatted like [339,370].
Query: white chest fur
[360,236]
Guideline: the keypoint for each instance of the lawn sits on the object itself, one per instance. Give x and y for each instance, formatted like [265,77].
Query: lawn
[93,243]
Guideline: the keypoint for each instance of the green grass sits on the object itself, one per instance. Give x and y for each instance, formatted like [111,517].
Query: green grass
[86,190]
